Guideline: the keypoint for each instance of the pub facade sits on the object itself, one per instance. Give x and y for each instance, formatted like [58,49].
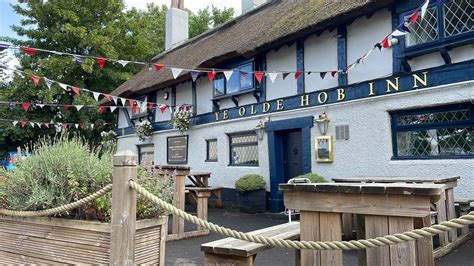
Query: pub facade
[406,110]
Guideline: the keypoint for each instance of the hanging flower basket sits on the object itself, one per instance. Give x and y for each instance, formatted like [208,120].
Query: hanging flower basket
[182,120]
[144,130]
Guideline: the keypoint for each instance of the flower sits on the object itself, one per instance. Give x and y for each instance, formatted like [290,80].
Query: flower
[144,130]
[182,120]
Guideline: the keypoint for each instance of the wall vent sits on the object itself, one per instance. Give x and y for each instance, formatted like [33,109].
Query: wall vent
[342,132]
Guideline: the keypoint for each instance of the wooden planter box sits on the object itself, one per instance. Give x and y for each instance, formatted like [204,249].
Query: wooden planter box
[54,241]
[254,201]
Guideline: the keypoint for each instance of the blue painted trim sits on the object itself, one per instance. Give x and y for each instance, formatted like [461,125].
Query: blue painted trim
[342,54]
[263,87]
[173,99]
[300,66]
[275,153]
[194,95]
[152,98]
[397,50]
[437,76]
[127,116]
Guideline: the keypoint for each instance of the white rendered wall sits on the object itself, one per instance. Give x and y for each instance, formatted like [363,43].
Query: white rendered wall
[463,53]
[320,54]
[282,60]
[166,115]
[184,94]
[361,36]
[122,119]
[203,95]
[426,61]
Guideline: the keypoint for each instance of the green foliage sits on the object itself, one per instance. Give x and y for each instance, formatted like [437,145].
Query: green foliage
[65,169]
[250,182]
[158,185]
[208,18]
[314,178]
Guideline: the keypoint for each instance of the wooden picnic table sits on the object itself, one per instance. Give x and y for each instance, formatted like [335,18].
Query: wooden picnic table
[201,180]
[444,207]
[387,208]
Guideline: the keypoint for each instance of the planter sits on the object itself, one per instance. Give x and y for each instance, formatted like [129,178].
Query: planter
[56,241]
[254,201]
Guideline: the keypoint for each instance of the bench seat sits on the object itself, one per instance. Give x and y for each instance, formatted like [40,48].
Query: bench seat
[231,251]
[216,191]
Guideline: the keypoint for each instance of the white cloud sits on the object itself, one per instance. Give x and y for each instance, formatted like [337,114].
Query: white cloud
[192,5]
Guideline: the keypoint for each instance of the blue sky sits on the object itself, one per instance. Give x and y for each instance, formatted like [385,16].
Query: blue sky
[7,17]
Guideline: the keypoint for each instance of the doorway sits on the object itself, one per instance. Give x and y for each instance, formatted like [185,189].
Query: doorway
[292,153]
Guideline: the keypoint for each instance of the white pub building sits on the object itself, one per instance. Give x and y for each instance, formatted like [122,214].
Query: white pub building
[407,109]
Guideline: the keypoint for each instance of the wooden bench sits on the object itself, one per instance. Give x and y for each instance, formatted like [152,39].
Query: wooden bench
[464,208]
[230,251]
[216,191]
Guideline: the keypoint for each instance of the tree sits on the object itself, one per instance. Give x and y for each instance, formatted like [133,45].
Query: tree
[208,18]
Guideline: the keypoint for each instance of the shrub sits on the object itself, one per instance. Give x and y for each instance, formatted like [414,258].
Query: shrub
[314,178]
[65,169]
[250,182]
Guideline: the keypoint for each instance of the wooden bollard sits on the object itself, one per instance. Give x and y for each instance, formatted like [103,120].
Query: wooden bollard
[122,240]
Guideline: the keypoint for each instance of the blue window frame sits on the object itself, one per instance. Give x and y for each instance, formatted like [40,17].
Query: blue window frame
[446,24]
[444,132]
[242,80]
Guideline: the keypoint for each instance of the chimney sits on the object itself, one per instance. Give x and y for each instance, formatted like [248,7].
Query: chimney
[248,5]
[176,24]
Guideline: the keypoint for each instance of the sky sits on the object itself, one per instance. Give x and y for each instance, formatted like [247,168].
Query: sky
[9,17]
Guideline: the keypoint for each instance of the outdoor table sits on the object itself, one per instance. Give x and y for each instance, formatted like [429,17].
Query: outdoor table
[388,209]
[444,207]
[200,179]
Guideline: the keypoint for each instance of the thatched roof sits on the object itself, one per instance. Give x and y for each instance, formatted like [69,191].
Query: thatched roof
[268,26]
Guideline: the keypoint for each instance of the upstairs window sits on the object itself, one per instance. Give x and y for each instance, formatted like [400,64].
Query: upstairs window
[443,21]
[442,132]
[241,80]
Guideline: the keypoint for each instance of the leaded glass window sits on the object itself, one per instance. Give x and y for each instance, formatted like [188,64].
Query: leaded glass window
[425,30]
[241,79]
[244,149]
[442,132]
[458,17]
[211,150]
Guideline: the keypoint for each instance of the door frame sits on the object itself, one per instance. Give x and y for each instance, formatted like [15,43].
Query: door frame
[275,154]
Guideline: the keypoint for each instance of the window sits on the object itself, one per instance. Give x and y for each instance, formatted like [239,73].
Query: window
[244,149]
[443,21]
[146,154]
[211,150]
[142,108]
[442,132]
[241,79]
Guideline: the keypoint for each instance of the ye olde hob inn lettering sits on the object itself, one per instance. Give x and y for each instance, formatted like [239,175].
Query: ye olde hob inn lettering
[359,91]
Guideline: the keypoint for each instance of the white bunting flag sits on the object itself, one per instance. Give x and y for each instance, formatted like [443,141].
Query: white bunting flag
[49,82]
[15,123]
[143,106]
[123,62]
[76,125]
[124,101]
[96,96]
[272,76]
[424,7]
[176,72]
[78,107]
[32,124]
[92,126]
[112,108]
[115,99]
[63,86]
[40,105]
[228,74]
[38,124]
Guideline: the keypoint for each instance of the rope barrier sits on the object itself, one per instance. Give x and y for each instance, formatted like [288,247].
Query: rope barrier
[314,245]
[63,208]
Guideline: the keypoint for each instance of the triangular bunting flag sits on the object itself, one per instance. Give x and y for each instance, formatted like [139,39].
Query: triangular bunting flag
[333,74]
[176,72]
[322,74]
[108,97]
[163,108]
[96,96]
[78,107]
[112,108]
[82,126]
[32,124]
[123,101]
[76,90]
[115,99]
[15,123]
[92,126]
[285,74]
[23,123]
[228,74]
[28,50]
[76,125]
[26,106]
[272,76]
[101,109]
[36,80]
[298,74]
[4,46]
[385,43]
[40,105]
[158,67]
[211,75]
[123,62]
[194,75]
[259,76]
[79,60]
[424,7]
[67,106]
[65,125]
[133,105]
[38,124]
[12,105]
[101,62]
[378,45]
[63,86]
[46,125]
[49,82]
[414,17]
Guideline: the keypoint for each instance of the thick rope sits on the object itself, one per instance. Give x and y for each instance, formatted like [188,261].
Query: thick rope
[319,245]
[60,209]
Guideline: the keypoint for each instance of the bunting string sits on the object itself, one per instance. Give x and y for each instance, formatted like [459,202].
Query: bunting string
[386,43]
[47,125]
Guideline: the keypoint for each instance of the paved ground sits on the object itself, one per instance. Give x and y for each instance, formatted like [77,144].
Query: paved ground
[187,252]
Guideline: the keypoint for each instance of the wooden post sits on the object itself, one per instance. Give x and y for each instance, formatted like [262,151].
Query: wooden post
[202,201]
[179,199]
[122,240]
[424,246]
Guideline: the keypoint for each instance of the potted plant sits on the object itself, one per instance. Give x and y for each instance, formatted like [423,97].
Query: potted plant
[314,178]
[252,193]
[144,130]
[182,120]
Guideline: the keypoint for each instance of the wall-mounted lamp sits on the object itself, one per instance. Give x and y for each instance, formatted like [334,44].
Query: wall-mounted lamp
[166,96]
[323,123]
[260,130]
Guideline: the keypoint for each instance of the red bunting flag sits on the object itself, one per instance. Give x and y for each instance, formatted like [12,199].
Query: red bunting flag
[163,108]
[36,80]
[158,67]
[108,97]
[76,90]
[23,123]
[211,75]
[26,106]
[46,125]
[67,106]
[101,62]
[64,125]
[385,43]
[82,126]
[28,50]
[333,74]
[101,109]
[132,104]
[298,74]
[414,17]
[259,76]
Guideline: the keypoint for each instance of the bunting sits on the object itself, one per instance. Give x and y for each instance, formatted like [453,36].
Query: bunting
[101,62]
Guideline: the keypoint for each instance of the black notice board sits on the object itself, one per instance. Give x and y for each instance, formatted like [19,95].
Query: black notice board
[177,148]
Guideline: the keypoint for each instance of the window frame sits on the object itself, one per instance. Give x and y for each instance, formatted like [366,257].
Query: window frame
[441,42]
[241,89]
[395,128]
[246,144]
[140,147]
[207,151]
